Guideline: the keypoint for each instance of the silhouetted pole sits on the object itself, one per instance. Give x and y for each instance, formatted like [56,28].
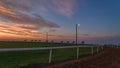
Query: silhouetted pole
[47,37]
[77,39]
[77,32]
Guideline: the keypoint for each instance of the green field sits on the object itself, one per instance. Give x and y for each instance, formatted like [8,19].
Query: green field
[24,58]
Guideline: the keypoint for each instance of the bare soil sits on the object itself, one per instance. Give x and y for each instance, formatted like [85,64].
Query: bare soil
[108,58]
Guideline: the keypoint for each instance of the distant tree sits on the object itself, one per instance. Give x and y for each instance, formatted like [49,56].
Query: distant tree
[73,42]
[68,42]
[31,40]
[52,41]
[39,40]
[82,42]
[25,40]
[46,41]
[61,42]
[35,40]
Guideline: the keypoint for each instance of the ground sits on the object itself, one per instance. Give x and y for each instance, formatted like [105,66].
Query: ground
[108,58]
[16,59]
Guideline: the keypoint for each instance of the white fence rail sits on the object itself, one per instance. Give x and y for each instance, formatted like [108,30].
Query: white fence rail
[51,49]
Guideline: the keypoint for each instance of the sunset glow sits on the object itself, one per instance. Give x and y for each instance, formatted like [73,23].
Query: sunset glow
[31,19]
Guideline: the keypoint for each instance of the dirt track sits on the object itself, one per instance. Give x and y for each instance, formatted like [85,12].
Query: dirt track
[108,58]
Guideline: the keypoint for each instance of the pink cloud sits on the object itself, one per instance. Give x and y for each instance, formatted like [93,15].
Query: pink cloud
[64,7]
[43,8]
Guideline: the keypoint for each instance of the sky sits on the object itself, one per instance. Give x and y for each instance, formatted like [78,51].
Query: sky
[31,19]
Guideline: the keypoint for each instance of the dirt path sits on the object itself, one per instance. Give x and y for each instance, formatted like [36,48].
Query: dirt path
[108,58]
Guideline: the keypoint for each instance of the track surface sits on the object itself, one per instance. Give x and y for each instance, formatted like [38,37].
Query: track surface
[108,58]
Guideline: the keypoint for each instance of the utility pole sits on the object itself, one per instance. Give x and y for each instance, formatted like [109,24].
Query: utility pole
[47,37]
[77,33]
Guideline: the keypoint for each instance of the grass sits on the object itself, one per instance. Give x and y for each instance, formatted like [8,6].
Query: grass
[24,58]
[30,44]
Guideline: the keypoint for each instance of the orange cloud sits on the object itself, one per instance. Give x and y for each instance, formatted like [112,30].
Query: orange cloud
[18,31]
[5,10]
[9,11]
[16,20]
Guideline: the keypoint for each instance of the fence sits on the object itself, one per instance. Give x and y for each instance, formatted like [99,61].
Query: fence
[51,49]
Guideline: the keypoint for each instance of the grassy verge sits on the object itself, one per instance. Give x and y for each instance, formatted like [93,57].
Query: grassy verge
[30,44]
[24,58]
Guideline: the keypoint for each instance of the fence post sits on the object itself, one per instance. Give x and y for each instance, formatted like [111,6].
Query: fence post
[97,49]
[117,46]
[92,51]
[77,52]
[50,56]
[102,47]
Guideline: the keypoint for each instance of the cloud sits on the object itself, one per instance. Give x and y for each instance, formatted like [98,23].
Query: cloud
[19,31]
[16,14]
[63,7]
[85,35]
[10,30]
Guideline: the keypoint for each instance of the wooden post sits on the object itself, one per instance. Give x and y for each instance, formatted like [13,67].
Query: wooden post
[77,52]
[50,56]
[92,50]
[97,49]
